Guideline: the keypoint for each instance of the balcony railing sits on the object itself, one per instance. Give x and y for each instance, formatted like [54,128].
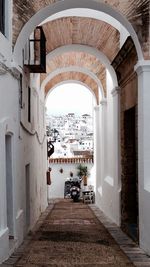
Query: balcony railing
[35,52]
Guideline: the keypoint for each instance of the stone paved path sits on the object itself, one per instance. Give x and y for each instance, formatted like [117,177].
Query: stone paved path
[71,236]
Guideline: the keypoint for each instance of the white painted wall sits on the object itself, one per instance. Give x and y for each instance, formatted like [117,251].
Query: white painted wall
[35,145]
[107,162]
[8,124]
[28,147]
[56,189]
[143,71]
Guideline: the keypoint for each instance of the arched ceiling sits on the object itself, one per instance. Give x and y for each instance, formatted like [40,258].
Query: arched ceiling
[137,12]
[79,59]
[75,58]
[70,76]
[85,31]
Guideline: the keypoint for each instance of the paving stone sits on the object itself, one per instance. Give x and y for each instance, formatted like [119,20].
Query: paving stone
[130,248]
[71,235]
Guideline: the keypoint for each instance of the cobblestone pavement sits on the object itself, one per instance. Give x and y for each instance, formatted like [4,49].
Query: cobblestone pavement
[72,235]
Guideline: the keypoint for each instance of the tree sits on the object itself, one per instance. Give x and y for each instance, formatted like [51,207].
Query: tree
[83,172]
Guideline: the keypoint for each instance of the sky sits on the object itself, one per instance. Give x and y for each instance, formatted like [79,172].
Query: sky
[68,98]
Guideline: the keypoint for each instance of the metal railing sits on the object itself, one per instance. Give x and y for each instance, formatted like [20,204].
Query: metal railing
[35,52]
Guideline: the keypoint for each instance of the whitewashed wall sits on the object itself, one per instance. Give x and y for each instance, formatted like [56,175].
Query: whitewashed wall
[107,194]
[34,146]
[56,189]
[28,145]
[8,124]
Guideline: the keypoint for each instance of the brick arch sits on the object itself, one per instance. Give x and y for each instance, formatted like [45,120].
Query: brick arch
[72,58]
[86,31]
[95,57]
[53,7]
[80,71]
[78,59]
[73,76]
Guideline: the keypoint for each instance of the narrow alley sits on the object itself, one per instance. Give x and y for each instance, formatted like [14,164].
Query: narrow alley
[71,234]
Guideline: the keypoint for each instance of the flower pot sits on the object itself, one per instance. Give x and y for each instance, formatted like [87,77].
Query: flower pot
[84,180]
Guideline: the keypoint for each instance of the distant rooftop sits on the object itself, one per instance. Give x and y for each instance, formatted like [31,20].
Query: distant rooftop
[86,115]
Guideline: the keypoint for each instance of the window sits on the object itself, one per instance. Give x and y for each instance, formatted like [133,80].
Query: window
[2,16]
[29,104]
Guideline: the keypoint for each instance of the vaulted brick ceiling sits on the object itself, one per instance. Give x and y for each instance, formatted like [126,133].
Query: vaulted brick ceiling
[85,31]
[137,12]
[73,76]
[79,59]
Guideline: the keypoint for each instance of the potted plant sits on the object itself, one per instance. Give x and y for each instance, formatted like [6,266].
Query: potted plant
[83,173]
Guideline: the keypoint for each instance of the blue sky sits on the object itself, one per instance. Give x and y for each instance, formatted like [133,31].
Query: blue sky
[69,98]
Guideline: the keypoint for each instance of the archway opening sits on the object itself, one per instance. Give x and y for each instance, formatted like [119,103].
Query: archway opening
[108,178]
[69,120]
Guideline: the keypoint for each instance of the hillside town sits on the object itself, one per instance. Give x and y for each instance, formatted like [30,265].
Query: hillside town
[71,135]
